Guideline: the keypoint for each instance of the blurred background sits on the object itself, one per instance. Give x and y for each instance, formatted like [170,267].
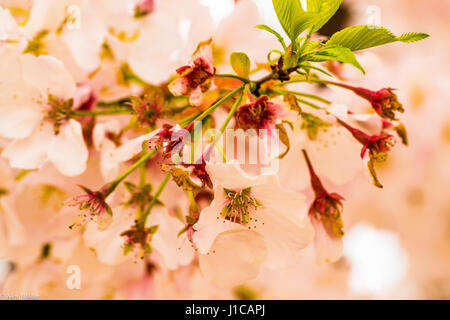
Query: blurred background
[397,242]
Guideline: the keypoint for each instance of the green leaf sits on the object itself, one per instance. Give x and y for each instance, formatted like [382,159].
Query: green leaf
[324,10]
[412,37]
[292,17]
[276,34]
[337,53]
[308,67]
[240,63]
[295,20]
[368,36]
[310,46]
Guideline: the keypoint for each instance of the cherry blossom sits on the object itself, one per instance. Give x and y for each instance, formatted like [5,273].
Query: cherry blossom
[258,204]
[39,91]
[110,243]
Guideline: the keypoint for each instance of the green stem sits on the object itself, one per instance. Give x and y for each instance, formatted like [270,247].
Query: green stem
[117,104]
[258,83]
[306,41]
[142,178]
[231,113]
[84,113]
[130,170]
[301,94]
[225,125]
[213,107]
[232,76]
[154,199]
[332,83]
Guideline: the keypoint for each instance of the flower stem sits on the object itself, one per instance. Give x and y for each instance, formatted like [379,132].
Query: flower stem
[301,94]
[232,76]
[327,82]
[154,199]
[83,113]
[142,177]
[259,82]
[130,170]
[224,127]
[213,107]
[231,113]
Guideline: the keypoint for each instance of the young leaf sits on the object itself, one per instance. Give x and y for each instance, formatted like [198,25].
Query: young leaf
[362,37]
[240,64]
[293,18]
[310,46]
[337,53]
[324,9]
[276,34]
[412,37]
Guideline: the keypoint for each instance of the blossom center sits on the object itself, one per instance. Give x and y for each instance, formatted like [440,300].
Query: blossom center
[196,75]
[58,111]
[261,114]
[239,204]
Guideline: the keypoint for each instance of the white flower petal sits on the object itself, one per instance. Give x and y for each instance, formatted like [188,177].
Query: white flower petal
[327,154]
[293,171]
[85,42]
[49,75]
[339,110]
[130,148]
[10,66]
[235,257]
[30,153]
[229,175]
[210,223]
[369,123]
[108,243]
[271,195]
[285,235]
[196,97]
[151,52]
[100,131]
[179,87]
[14,229]
[328,249]
[19,112]
[68,151]
[176,251]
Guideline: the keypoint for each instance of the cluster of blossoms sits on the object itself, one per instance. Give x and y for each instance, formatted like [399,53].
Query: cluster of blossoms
[80,94]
